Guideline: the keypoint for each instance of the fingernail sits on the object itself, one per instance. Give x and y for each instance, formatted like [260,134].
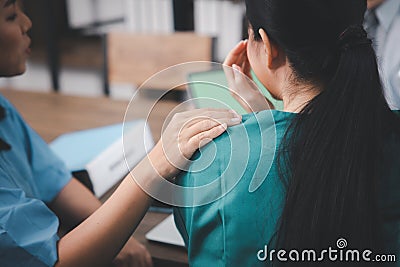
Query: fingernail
[236,120]
[224,126]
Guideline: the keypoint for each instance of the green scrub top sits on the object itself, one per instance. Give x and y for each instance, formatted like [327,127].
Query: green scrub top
[228,223]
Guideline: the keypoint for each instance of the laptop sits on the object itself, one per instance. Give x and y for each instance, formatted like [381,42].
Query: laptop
[166,232]
[209,89]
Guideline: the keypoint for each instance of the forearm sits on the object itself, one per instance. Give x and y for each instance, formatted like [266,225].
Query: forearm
[74,204]
[97,240]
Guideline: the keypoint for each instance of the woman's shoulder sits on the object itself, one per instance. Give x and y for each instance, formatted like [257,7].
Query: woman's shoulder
[242,146]
[5,103]
[268,116]
[255,131]
[6,107]
[267,124]
[254,123]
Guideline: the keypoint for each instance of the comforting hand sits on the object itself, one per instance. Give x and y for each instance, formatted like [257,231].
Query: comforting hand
[186,133]
[243,89]
[133,254]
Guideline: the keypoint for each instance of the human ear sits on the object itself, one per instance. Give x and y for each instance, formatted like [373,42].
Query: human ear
[271,50]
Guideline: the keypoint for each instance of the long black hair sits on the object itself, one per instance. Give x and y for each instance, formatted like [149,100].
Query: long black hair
[329,158]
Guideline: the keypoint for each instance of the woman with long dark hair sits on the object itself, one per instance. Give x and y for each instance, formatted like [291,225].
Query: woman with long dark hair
[334,181]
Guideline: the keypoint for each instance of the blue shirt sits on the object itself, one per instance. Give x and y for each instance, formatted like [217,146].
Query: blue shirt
[30,176]
[383,26]
[240,218]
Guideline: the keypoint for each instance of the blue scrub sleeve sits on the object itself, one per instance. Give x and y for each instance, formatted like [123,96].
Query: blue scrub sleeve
[49,172]
[28,231]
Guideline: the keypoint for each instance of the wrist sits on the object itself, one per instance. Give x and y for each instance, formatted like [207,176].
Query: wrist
[144,174]
[160,164]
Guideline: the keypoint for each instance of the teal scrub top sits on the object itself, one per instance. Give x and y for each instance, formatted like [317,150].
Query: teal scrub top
[31,176]
[231,229]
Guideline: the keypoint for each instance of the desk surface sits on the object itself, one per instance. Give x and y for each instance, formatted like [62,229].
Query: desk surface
[52,114]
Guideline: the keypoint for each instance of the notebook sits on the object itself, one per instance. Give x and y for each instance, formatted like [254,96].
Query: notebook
[98,156]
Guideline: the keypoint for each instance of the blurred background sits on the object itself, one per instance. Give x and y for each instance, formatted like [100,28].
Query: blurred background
[71,45]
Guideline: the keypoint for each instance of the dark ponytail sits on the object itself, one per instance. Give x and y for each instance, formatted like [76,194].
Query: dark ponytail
[334,158]
[330,157]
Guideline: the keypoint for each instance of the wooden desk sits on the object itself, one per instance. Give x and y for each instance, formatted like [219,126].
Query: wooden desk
[52,114]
